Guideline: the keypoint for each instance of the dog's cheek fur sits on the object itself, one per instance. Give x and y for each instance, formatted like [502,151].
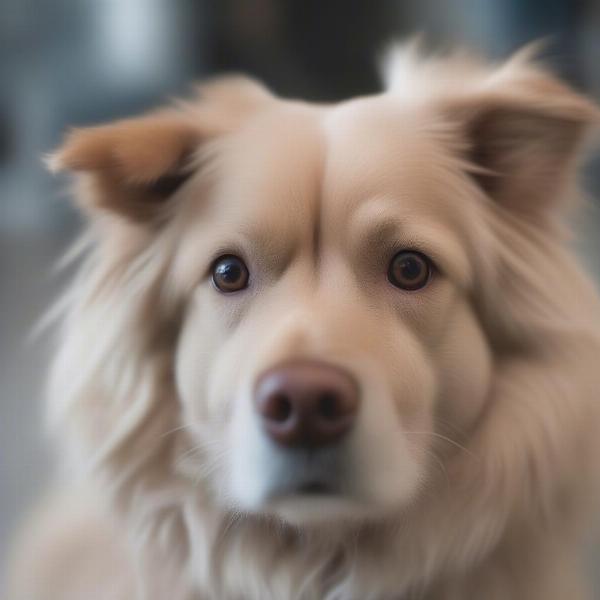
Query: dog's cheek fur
[208,347]
[119,406]
[465,366]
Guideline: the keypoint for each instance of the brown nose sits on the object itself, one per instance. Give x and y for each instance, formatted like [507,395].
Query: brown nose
[306,403]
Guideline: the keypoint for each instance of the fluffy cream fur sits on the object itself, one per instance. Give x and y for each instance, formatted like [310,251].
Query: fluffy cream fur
[474,472]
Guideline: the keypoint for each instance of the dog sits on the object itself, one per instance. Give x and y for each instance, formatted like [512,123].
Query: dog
[328,352]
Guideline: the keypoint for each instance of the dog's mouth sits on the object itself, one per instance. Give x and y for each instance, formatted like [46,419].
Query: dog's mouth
[311,488]
[305,476]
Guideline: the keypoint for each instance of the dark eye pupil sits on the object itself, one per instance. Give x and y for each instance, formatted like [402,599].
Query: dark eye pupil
[230,274]
[409,270]
[229,271]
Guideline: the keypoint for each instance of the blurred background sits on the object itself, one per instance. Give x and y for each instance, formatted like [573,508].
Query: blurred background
[76,62]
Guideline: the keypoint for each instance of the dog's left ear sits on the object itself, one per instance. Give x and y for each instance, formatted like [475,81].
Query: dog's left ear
[525,131]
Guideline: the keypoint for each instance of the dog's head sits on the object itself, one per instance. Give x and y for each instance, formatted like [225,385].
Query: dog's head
[304,311]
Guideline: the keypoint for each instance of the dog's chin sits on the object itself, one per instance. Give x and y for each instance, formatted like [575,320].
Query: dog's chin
[315,507]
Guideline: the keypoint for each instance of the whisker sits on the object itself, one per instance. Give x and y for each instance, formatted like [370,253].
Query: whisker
[203,446]
[451,428]
[188,453]
[445,438]
[175,430]
[211,466]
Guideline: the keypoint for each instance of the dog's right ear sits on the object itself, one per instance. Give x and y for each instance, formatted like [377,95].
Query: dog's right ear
[133,166]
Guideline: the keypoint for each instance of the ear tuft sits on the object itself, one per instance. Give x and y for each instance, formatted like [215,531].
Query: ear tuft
[523,151]
[131,166]
[524,127]
[526,130]
[138,150]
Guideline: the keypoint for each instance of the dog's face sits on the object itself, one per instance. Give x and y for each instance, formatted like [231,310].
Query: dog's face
[330,333]
[324,267]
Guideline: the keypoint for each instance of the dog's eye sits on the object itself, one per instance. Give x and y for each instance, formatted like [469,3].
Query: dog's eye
[230,274]
[410,270]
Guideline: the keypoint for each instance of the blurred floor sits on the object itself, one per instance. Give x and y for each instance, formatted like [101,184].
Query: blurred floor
[26,290]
